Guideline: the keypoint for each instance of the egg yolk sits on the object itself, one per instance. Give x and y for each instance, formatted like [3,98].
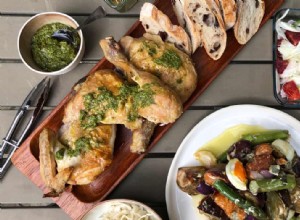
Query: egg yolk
[240,172]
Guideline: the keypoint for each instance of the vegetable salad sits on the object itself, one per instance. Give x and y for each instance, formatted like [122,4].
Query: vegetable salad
[258,177]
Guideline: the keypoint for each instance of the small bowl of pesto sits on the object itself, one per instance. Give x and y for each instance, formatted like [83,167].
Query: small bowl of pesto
[44,54]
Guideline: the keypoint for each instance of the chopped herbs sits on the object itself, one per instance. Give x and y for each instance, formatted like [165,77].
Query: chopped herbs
[81,145]
[150,47]
[51,54]
[169,59]
[98,103]
[295,24]
[59,155]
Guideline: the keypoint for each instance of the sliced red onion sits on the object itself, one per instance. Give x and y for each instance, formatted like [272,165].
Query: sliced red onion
[256,175]
[204,189]
[266,174]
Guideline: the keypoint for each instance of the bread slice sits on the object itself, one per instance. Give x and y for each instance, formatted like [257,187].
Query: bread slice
[156,22]
[249,16]
[207,16]
[228,10]
[187,24]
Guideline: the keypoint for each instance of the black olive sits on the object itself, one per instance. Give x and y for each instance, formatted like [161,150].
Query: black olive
[256,3]
[240,150]
[217,46]
[163,35]
[208,19]
[247,30]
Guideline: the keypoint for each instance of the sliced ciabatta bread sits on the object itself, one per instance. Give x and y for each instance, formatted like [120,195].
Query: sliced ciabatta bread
[249,16]
[187,24]
[156,22]
[228,10]
[178,10]
[207,16]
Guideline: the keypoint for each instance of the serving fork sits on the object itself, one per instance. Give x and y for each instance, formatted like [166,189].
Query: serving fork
[36,98]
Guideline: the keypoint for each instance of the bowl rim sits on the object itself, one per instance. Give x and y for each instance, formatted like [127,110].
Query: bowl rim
[157,217]
[63,70]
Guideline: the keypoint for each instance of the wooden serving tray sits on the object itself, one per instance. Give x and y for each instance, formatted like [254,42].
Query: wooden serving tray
[82,198]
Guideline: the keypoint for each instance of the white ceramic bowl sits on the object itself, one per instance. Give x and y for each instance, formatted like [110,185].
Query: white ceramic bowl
[31,26]
[104,206]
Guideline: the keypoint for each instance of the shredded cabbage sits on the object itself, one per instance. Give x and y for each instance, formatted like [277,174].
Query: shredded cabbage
[126,211]
[282,26]
[288,50]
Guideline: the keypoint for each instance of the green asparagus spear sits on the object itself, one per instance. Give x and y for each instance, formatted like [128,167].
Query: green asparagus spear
[241,202]
[266,136]
[268,185]
[223,157]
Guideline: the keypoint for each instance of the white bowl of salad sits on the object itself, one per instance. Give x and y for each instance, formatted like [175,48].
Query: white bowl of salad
[286,56]
[121,209]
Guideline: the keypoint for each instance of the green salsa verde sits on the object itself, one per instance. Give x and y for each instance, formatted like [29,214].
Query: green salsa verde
[82,145]
[49,53]
[169,58]
[97,104]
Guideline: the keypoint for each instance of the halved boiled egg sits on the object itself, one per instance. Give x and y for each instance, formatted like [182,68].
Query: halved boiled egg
[236,174]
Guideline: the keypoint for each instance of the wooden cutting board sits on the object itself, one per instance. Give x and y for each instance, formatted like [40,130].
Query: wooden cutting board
[82,198]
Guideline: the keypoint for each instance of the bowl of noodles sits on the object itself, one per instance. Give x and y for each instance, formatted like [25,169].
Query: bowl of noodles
[121,209]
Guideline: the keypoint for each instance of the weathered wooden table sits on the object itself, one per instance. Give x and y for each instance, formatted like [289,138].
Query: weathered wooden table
[247,80]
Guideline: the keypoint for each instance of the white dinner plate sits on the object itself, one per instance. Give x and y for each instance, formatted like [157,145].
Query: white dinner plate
[179,204]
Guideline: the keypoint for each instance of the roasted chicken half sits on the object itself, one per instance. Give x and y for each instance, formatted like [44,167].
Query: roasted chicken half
[169,64]
[83,147]
[172,66]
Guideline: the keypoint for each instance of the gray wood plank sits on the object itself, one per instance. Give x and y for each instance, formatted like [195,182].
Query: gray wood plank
[53,213]
[105,27]
[16,81]
[33,214]
[66,6]
[152,171]
[254,83]
[240,84]
[259,48]
[291,4]
[18,189]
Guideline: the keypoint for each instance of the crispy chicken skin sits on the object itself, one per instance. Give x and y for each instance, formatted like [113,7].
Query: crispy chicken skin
[102,78]
[77,170]
[182,80]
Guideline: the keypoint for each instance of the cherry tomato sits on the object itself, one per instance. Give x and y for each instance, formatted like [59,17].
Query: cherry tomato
[293,37]
[291,90]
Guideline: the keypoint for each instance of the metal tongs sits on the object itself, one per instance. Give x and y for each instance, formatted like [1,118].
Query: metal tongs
[36,98]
